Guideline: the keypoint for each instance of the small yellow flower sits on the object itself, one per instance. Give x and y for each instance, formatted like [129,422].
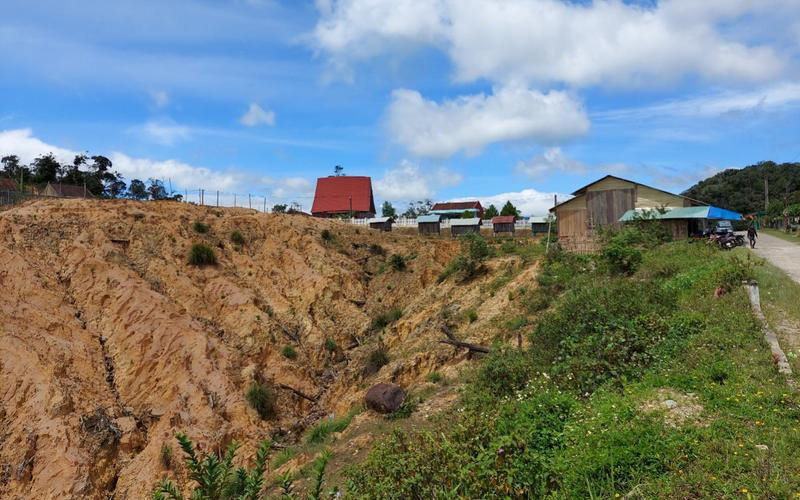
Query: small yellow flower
[745,490]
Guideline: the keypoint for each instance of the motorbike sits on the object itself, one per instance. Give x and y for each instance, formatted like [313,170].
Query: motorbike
[729,241]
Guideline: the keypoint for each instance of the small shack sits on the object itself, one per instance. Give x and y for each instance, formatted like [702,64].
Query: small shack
[65,191]
[456,209]
[465,226]
[381,223]
[429,224]
[682,222]
[539,225]
[503,224]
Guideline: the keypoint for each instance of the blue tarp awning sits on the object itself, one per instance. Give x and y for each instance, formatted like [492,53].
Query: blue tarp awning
[707,212]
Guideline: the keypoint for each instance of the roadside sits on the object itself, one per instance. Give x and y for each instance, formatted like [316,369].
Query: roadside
[782,235]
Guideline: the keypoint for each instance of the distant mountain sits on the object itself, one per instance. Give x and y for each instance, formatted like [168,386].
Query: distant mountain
[742,189]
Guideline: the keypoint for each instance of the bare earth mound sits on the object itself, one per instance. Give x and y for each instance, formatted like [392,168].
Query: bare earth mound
[110,341]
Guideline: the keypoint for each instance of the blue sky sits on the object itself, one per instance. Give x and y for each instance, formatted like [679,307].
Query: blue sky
[447,99]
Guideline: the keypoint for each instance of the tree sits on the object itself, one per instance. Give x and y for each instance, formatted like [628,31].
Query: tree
[279,208]
[417,208]
[13,170]
[116,188]
[46,169]
[387,210]
[156,189]
[337,170]
[490,212]
[72,174]
[137,190]
[510,209]
[467,214]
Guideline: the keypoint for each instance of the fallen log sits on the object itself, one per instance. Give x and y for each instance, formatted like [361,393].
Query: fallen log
[299,393]
[453,341]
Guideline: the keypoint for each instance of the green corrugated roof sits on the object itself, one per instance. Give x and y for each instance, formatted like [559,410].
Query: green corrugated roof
[475,221]
[673,213]
[429,218]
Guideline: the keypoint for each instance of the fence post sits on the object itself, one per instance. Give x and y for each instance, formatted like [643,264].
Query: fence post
[217,197]
[234,200]
[249,201]
[265,204]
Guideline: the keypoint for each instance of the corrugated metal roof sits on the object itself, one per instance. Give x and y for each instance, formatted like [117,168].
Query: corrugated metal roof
[538,220]
[454,211]
[457,205]
[503,219]
[334,195]
[379,220]
[474,221]
[429,218]
[708,212]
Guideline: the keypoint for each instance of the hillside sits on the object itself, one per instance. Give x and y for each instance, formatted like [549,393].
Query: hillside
[110,342]
[742,190]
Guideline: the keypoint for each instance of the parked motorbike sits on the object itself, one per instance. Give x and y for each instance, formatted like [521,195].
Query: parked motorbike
[728,241]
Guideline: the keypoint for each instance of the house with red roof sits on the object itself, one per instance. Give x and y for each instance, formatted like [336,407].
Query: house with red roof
[343,195]
[455,209]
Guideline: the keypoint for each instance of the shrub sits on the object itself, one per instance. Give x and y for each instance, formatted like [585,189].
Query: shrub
[621,258]
[201,255]
[330,345]
[472,315]
[237,238]
[435,377]
[406,409]
[474,250]
[326,235]
[398,262]
[503,372]
[376,360]
[376,249]
[200,227]
[215,474]
[261,399]
[289,352]
[383,320]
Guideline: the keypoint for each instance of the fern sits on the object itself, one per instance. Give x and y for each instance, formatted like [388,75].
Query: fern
[319,475]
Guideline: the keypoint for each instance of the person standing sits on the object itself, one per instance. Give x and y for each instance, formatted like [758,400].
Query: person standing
[752,235]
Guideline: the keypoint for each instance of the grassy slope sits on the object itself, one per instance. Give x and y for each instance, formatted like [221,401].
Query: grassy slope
[607,444]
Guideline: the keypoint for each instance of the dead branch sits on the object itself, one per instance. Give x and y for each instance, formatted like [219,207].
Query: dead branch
[299,393]
[453,341]
[288,332]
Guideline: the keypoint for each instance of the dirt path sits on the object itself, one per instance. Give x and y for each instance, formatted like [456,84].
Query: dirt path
[783,254]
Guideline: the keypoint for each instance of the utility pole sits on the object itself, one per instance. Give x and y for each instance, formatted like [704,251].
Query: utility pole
[249,201]
[217,197]
[265,204]
[351,206]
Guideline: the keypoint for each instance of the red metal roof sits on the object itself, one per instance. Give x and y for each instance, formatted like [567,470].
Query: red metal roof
[503,219]
[334,195]
[458,205]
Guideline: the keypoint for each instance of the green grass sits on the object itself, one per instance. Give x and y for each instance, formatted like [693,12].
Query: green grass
[793,237]
[327,426]
[202,255]
[580,414]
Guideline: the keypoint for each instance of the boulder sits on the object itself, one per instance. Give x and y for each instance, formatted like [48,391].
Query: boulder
[385,398]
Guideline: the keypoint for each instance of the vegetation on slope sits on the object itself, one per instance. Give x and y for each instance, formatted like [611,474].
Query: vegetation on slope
[636,382]
[742,190]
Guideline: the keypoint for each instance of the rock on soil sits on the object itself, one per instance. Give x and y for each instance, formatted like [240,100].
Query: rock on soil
[385,398]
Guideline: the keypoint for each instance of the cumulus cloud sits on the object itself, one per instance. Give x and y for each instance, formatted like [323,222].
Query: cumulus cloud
[289,188]
[555,161]
[180,173]
[528,201]
[408,182]
[22,143]
[256,115]
[603,42]
[469,123]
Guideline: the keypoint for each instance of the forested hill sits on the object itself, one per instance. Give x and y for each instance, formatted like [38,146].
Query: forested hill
[742,189]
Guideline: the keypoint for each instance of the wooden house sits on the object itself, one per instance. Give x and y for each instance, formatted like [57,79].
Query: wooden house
[465,226]
[603,202]
[56,189]
[539,225]
[429,224]
[456,209]
[381,223]
[503,224]
[343,196]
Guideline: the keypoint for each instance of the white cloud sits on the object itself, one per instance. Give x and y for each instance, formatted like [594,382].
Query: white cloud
[605,42]
[721,103]
[22,143]
[528,201]
[408,182]
[469,123]
[552,160]
[181,174]
[160,98]
[289,188]
[165,132]
[256,115]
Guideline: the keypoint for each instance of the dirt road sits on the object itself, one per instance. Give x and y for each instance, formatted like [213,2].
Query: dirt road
[781,253]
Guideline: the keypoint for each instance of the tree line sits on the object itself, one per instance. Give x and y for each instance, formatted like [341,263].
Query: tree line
[94,172]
